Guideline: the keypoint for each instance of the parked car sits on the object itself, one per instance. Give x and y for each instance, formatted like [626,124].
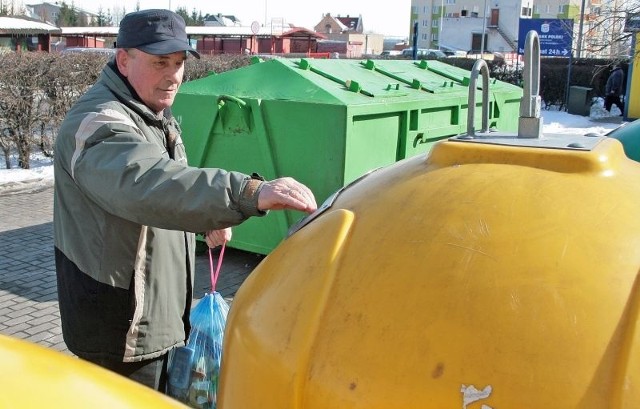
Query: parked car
[390,53]
[423,53]
[105,51]
[487,55]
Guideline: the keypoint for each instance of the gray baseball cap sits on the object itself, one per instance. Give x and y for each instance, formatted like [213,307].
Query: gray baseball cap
[155,31]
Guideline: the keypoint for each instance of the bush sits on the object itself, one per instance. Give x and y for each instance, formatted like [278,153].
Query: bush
[37,90]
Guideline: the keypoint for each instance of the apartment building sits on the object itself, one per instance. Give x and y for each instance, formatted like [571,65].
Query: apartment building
[49,12]
[460,24]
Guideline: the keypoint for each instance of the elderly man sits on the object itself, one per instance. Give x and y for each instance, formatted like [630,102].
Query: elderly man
[127,205]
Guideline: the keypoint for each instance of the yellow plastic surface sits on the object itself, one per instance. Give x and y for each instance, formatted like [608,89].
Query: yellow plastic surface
[35,377]
[483,277]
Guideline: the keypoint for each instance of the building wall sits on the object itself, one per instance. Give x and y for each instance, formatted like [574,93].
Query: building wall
[89,42]
[452,23]
[440,22]
[458,33]
[370,43]
[46,12]
[49,13]
[328,25]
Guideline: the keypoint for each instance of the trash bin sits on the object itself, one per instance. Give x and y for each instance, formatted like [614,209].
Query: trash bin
[325,122]
[580,100]
[627,134]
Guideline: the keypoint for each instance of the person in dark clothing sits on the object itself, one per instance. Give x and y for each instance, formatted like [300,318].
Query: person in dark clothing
[615,90]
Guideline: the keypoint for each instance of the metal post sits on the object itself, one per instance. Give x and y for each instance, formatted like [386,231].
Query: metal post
[415,40]
[484,28]
[441,23]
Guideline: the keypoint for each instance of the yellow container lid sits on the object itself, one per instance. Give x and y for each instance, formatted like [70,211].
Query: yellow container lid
[486,275]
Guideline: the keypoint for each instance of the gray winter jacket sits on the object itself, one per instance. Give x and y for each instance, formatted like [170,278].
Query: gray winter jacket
[126,206]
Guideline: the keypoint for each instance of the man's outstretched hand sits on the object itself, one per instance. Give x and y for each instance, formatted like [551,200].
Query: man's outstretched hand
[286,193]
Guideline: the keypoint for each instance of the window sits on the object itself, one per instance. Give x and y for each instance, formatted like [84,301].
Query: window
[435,10]
[450,2]
[474,14]
[464,13]
[434,37]
[435,23]
[526,11]
[561,8]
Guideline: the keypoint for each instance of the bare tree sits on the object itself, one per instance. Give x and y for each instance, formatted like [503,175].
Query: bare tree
[21,101]
[603,29]
[118,14]
[12,8]
[68,77]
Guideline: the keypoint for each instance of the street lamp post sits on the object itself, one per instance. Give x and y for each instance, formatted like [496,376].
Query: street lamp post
[441,23]
[579,45]
[484,28]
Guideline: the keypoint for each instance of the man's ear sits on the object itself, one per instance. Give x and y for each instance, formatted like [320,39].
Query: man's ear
[122,60]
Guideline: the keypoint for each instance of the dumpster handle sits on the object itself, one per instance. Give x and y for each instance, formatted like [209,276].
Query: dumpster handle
[231,98]
[480,67]
[530,123]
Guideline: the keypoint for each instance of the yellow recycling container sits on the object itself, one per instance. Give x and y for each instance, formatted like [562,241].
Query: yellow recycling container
[496,272]
[35,377]
[485,274]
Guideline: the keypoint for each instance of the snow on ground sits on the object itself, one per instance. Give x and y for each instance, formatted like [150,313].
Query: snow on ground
[15,179]
[554,122]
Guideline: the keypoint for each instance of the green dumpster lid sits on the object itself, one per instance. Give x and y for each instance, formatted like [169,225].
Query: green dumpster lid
[341,81]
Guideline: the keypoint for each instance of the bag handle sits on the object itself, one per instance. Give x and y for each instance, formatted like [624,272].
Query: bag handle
[216,273]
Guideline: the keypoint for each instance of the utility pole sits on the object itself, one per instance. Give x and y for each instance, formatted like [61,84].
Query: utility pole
[579,44]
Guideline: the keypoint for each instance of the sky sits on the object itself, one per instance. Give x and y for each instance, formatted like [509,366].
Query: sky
[554,122]
[390,19]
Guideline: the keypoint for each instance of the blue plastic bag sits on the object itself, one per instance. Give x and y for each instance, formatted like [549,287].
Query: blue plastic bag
[193,376]
[194,369]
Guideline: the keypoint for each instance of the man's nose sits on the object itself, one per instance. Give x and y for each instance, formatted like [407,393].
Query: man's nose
[174,74]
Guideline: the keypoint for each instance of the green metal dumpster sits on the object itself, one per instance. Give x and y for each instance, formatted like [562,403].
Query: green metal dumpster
[325,122]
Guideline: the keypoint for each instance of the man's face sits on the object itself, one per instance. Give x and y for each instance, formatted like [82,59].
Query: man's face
[155,78]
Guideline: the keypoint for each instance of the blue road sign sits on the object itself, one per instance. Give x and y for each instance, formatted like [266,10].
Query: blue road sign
[555,35]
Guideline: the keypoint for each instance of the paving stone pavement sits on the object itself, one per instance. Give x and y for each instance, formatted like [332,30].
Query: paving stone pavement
[28,294]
